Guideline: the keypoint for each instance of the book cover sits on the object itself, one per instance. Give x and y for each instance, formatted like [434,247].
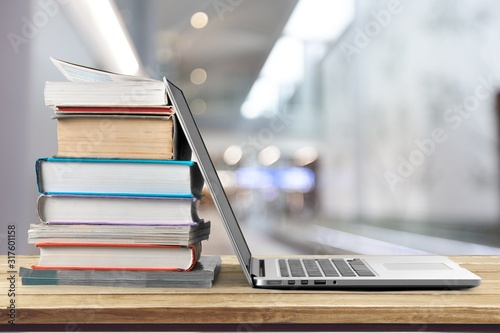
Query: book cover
[134,210]
[120,233]
[128,177]
[203,275]
[115,110]
[111,256]
[117,136]
[79,73]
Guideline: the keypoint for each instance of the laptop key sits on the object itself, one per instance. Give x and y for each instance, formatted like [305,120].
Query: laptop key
[296,268]
[343,267]
[327,267]
[312,268]
[360,268]
[283,268]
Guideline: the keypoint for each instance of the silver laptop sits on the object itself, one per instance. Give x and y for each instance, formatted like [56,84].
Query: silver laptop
[309,272]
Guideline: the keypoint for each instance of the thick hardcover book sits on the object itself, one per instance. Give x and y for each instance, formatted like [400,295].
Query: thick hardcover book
[203,275]
[100,209]
[121,233]
[112,256]
[113,177]
[121,136]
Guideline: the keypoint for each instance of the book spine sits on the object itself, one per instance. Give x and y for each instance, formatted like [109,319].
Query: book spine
[195,251]
[182,150]
[197,181]
[38,166]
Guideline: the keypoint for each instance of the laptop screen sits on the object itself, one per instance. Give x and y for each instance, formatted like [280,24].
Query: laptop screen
[212,180]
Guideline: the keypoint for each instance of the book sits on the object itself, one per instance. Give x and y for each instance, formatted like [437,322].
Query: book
[116,110]
[203,275]
[121,136]
[121,192]
[122,116]
[91,87]
[112,256]
[122,234]
[113,177]
[78,73]
[101,209]
[125,93]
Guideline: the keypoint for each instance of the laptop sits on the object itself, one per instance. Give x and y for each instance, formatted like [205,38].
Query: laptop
[317,272]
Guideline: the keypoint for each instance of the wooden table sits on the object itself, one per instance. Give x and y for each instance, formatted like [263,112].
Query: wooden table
[232,305]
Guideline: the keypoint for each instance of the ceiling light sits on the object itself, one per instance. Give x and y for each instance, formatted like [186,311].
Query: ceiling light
[283,69]
[106,21]
[285,64]
[320,20]
[269,155]
[198,76]
[199,20]
[232,155]
[311,21]
[262,99]
[305,155]
[198,106]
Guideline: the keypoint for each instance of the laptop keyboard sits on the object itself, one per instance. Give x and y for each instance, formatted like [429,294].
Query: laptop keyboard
[323,268]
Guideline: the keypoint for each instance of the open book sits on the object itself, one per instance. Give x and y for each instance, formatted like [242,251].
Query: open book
[79,73]
[89,87]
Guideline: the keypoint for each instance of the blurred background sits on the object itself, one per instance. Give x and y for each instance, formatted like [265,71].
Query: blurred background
[348,126]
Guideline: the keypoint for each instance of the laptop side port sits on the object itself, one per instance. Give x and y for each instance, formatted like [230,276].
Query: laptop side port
[291,282]
[319,282]
[304,282]
[274,282]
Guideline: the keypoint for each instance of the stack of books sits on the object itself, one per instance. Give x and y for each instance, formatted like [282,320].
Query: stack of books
[121,193]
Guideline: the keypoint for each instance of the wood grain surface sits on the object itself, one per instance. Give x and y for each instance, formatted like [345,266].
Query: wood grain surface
[233,301]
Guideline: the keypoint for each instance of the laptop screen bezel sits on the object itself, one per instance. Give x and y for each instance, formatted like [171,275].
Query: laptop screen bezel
[193,136]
